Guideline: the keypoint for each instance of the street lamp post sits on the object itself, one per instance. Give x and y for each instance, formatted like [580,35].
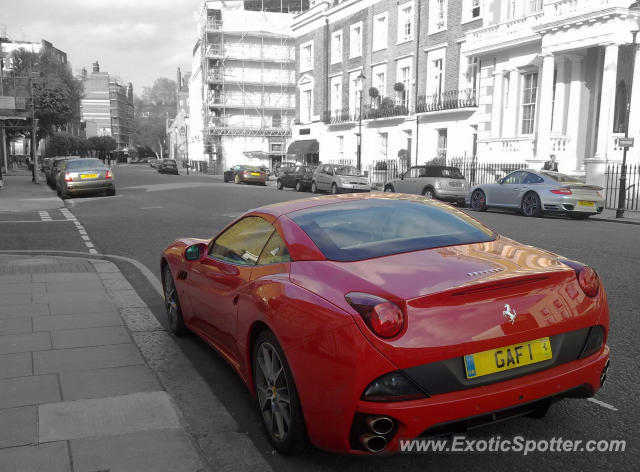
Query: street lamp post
[186,139]
[622,194]
[360,86]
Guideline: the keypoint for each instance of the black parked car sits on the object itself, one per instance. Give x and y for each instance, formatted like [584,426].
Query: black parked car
[167,166]
[298,177]
[52,169]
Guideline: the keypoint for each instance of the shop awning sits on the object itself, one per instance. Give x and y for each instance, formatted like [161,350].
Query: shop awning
[302,147]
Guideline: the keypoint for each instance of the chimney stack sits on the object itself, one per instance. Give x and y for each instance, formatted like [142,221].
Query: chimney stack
[96,67]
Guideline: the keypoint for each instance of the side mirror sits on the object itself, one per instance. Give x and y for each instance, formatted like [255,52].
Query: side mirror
[499,180]
[195,252]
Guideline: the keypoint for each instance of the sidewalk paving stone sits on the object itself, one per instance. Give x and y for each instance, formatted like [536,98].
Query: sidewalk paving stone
[91,320]
[84,384]
[75,286]
[59,277]
[97,294]
[106,416]
[18,426]
[126,298]
[148,451]
[52,457]
[32,390]
[74,307]
[65,360]
[86,337]
[15,365]
[18,311]
[15,299]
[21,288]
[15,326]
[140,319]
[24,342]
[15,279]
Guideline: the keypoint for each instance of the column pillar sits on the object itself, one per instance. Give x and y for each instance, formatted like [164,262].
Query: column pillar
[559,106]
[496,105]
[544,114]
[607,100]
[576,144]
[634,112]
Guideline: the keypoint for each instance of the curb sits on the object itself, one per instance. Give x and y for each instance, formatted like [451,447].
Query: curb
[618,220]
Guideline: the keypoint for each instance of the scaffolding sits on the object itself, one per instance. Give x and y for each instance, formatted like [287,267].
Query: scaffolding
[249,79]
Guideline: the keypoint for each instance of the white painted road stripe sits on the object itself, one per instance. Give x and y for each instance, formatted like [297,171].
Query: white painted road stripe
[602,404]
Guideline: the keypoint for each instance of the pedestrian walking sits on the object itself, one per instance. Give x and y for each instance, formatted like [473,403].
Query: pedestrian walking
[551,164]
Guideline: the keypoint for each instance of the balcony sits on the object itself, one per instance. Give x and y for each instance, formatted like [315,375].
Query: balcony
[449,100]
[555,10]
[341,115]
[503,35]
[508,149]
[213,25]
[381,112]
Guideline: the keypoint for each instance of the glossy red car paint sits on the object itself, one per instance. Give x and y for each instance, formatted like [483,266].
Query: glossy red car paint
[452,299]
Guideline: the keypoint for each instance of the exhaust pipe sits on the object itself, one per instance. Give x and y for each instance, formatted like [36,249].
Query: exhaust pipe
[373,443]
[380,424]
[603,375]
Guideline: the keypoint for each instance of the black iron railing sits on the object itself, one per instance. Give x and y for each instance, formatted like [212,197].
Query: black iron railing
[612,182]
[449,100]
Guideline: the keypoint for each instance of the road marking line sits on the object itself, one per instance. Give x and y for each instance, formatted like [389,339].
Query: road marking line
[93,251]
[602,404]
[89,244]
[85,237]
[44,215]
[83,232]
[32,221]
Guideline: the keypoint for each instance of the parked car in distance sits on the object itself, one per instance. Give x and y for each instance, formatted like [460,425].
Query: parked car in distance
[84,176]
[441,182]
[336,178]
[51,172]
[361,321]
[153,162]
[167,166]
[246,174]
[279,167]
[534,193]
[266,170]
[298,177]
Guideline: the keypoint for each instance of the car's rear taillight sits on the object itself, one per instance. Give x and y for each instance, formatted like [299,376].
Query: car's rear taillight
[561,191]
[587,277]
[67,177]
[382,317]
[108,175]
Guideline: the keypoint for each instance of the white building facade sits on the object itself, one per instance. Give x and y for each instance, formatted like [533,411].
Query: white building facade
[555,77]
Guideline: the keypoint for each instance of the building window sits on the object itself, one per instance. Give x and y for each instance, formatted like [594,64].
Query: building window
[383,140]
[380,31]
[305,106]
[336,47]
[442,144]
[435,73]
[438,15]
[306,56]
[379,81]
[354,94]
[468,73]
[470,10]
[404,77]
[405,22]
[336,93]
[529,96]
[340,147]
[355,40]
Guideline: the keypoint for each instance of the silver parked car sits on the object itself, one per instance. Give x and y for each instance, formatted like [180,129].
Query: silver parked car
[84,176]
[534,193]
[337,178]
[441,182]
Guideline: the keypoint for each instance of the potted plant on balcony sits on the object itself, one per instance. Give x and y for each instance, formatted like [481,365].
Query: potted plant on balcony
[398,87]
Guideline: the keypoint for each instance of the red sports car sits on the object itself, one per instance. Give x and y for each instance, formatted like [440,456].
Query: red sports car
[358,320]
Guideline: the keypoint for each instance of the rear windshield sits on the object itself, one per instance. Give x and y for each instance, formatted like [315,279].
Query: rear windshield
[563,178]
[84,164]
[169,161]
[307,170]
[363,229]
[452,173]
[347,170]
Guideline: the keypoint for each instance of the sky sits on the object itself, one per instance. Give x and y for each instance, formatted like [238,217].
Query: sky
[134,40]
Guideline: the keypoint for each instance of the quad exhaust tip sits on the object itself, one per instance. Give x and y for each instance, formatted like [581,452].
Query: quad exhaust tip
[380,424]
[373,443]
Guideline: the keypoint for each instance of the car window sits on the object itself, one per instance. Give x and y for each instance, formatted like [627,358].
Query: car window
[451,172]
[275,251]
[514,178]
[415,172]
[532,179]
[242,243]
[563,178]
[431,171]
[328,170]
[84,164]
[347,170]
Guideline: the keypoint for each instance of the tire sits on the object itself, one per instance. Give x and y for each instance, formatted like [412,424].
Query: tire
[172,303]
[461,203]
[63,195]
[236,179]
[429,193]
[530,205]
[279,185]
[389,188]
[314,187]
[478,201]
[299,186]
[287,437]
[334,189]
[111,192]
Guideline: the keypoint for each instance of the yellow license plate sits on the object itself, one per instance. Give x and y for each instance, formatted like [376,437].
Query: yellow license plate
[586,204]
[88,176]
[255,173]
[508,357]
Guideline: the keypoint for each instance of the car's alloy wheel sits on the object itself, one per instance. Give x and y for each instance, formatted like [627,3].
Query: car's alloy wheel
[314,187]
[478,201]
[298,186]
[277,396]
[172,304]
[531,205]
[279,184]
[429,193]
[389,189]
[334,188]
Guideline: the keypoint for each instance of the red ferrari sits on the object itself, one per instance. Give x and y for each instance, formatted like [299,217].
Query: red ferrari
[358,320]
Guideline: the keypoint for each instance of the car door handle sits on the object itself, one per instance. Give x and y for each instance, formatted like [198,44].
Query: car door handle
[235,299]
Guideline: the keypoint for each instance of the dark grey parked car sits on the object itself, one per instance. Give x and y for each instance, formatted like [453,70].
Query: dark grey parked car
[84,176]
[298,177]
[52,169]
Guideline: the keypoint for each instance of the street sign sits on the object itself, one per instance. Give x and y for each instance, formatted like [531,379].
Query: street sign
[625,142]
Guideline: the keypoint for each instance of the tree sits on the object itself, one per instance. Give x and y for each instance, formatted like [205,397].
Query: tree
[161,94]
[152,110]
[101,145]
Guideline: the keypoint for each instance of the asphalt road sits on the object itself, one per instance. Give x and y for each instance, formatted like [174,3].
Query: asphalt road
[151,210]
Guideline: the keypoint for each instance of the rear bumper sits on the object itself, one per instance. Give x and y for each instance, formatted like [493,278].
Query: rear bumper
[77,188]
[457,195]
[433,416]
[570,204]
